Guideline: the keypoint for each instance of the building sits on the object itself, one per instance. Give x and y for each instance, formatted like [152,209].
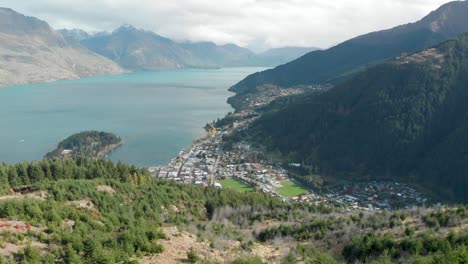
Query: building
[67,152]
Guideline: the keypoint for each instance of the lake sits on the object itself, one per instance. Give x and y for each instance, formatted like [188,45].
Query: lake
[156,113]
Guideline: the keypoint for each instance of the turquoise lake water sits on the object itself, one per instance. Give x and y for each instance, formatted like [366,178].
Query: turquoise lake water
[156,113]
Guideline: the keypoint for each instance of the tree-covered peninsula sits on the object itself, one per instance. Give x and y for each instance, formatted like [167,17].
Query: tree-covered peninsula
[93,144]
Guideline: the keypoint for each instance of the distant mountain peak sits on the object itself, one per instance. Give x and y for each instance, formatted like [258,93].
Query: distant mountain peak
[125,27]
[76,34]
[7,10]
[447,18]
[14,22]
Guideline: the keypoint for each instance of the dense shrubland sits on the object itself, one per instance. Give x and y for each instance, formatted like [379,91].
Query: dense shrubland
[96,211]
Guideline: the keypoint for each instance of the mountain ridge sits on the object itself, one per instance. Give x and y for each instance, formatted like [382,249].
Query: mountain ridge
[74,34]
[31,51]
[342,60]
[139,49]
[136,49]
[401,119]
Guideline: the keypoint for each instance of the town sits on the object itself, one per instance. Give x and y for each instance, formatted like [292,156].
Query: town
[247,168]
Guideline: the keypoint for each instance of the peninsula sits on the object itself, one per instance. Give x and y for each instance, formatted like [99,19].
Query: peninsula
[93,144]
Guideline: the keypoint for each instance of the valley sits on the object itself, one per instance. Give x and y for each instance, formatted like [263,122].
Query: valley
[353,154]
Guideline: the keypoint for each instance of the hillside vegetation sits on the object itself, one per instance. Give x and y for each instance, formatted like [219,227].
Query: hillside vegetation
[406,119]
[94,211]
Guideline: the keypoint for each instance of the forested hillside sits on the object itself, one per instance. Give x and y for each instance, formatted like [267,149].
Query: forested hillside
[405,119]
[94,211]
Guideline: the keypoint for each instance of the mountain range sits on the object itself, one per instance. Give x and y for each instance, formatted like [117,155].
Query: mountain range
[340,62]
[405,118]
[138,49]
[31,51]
[396,112]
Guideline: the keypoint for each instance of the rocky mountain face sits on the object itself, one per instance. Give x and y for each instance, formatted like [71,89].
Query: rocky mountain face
[229,55]
[449,20]
[31,51]
[136,49]
[75,34]
[406,119]
[345,59]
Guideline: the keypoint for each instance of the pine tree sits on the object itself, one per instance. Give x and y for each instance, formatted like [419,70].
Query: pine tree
[4,184]
[13,177]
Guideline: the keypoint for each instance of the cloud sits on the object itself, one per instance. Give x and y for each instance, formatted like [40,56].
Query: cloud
[254,23]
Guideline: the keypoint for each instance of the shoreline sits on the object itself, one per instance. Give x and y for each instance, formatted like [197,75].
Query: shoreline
[125,72]
[108,149]
[206,162]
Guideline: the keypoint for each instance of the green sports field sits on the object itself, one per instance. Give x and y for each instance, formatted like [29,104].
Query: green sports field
[291,189]
[236,185]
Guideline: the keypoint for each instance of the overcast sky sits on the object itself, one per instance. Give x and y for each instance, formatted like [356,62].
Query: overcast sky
[257,24]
